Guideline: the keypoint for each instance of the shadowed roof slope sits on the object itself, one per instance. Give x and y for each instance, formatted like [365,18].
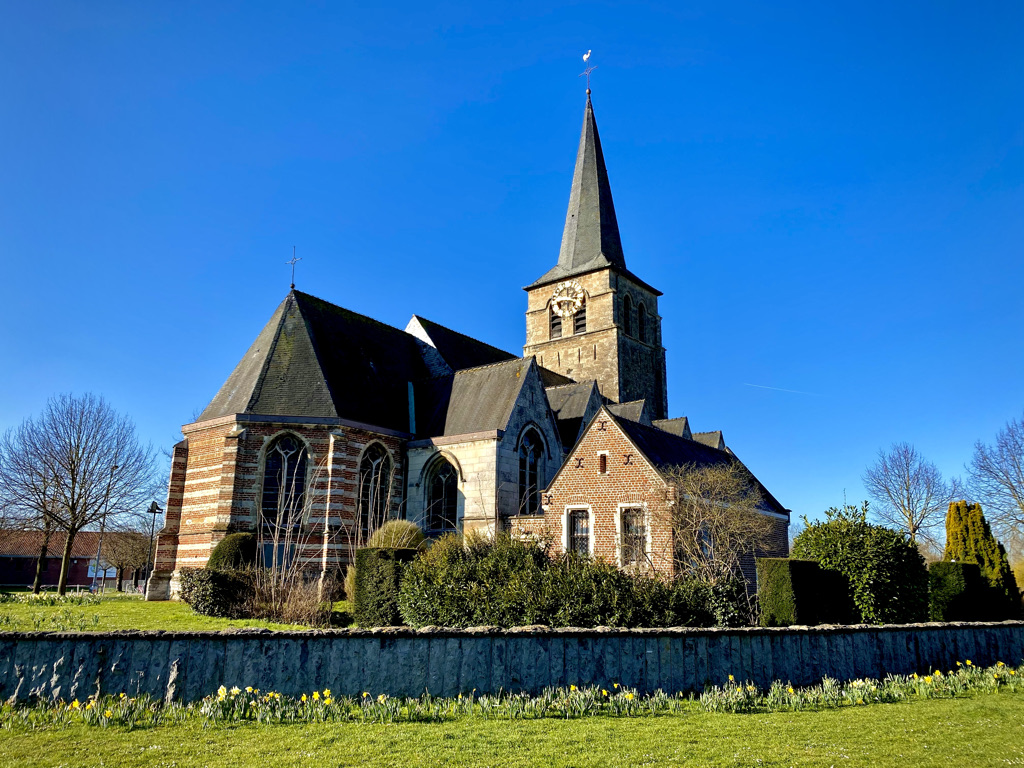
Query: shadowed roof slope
[570,403]
[665,450]
[457,349]
[317,359]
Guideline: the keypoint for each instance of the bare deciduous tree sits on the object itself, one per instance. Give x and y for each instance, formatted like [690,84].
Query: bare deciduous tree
[78,462]
[909,491]
[126,550]
[997,478]
[716,517]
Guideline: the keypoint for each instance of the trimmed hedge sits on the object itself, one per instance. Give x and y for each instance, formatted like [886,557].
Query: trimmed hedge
[956,592]
[507,583]
[793,591]
[378,575]
[236,550]
[887,575]
[213,592]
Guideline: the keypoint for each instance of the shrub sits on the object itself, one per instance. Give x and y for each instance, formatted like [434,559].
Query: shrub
[378,575]
[397,534]
[213,592]
[969,540]
[954,591]
[236,550]
[791,591]
[508,582]
[887,575]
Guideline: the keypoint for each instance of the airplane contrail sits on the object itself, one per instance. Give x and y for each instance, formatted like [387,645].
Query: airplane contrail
[780,389]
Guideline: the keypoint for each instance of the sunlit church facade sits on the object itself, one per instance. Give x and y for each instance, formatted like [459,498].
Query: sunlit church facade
[333,422]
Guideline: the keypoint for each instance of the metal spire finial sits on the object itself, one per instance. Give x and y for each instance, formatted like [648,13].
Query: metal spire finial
[293,262]
[588,70]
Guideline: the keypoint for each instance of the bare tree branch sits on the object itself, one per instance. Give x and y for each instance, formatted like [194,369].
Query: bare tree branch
[996,475]
[909,491]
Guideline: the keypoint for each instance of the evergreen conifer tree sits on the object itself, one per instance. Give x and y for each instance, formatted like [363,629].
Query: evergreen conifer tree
[969,540]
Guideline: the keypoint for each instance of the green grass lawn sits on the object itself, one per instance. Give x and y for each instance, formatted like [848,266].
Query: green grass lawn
[981,731]
[121,612]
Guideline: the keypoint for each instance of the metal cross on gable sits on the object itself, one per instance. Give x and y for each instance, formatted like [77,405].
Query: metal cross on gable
[586,72]
[293,262]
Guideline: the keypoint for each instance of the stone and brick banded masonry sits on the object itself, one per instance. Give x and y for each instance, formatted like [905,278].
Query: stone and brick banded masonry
[186,666]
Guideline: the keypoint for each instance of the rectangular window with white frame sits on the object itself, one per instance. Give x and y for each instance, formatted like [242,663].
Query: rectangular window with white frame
[633,544]
[577,533]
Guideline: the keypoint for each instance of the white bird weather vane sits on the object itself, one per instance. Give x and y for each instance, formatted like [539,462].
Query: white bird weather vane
[588,70]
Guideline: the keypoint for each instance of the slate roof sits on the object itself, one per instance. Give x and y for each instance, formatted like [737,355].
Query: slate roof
[665,450]
[472,400]
[569,403]
[678,426]
[457,349]
[633,410]
[591,238]
[714,439]
[314,358]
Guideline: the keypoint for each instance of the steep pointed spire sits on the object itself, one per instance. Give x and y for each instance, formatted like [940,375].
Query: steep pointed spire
[591,233]
[590,239]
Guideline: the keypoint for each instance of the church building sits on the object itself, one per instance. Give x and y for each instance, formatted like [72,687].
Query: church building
[333,422]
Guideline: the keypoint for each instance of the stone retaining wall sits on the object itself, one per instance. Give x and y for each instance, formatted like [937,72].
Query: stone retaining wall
[186,666]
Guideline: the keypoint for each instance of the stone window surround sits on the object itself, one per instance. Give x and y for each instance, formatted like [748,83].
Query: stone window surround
[590,525]
[619,509]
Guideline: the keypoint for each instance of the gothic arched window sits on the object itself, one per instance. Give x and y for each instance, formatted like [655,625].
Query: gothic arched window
[555,326]
[579,320]
[627,315]
[641,322]
[284,485]
[374,489]
[442,498]
[530,452]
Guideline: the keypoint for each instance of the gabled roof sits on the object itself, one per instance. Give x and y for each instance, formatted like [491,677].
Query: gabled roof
[714,439]
[317,359]
[590,239]
[664,450]
[571,404]
[634,410]
[458,350]
[678,426]
[472,400]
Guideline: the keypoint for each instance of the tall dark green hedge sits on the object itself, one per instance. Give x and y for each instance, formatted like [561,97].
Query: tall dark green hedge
[214,592]
[887,575]
[505,582]
[236,550]
[793,591]
[969,539]
[378,575]
[956,592]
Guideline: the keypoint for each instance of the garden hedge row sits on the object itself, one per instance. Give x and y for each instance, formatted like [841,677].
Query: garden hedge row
[800,592]
[378,576]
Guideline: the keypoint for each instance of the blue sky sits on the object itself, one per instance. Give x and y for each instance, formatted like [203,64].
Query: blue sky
[830,195]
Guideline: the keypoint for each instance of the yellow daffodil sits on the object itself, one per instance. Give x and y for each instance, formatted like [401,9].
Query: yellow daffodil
[790,689]
[365,694]
[382,698]
[1000,664]
[303,697]
[968,662]
[74,704]
[615,685]
[959,664]
[248,689]
[327,699]
[123,695]
[316,695]
[1013,672]
[731,678]
[995,675]
[327,693]
[108,713]
[928,678]
[629,696]
[572,687]
[604,692]
[235,690]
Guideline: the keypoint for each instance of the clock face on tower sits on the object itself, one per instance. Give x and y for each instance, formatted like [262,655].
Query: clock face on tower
[567,298]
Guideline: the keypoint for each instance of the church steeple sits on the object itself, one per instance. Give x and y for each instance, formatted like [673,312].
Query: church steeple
[590,239]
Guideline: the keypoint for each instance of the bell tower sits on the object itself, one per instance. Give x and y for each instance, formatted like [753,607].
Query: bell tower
[589,317]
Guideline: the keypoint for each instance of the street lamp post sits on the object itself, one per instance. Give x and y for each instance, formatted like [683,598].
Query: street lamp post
[103,525]
[154,510]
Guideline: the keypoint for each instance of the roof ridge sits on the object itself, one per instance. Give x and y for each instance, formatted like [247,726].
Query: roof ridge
[494,365]
[421,318]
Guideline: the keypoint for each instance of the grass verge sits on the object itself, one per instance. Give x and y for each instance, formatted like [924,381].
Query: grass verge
[986,730]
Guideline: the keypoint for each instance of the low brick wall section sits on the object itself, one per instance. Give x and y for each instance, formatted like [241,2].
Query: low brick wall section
[186,666]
